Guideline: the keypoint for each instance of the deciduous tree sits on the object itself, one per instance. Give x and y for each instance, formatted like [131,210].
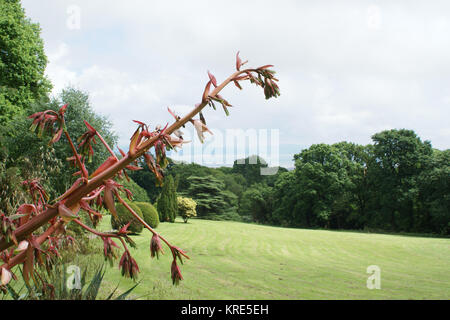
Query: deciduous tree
[22,62]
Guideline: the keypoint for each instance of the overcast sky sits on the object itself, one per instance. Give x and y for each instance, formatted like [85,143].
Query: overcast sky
[346,71]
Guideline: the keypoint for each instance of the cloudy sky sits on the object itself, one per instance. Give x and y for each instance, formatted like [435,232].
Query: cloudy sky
[346,70]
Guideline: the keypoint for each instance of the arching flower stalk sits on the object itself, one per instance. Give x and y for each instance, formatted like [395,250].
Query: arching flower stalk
[20,240]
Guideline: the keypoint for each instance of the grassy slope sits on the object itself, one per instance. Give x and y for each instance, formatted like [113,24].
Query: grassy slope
[232,260]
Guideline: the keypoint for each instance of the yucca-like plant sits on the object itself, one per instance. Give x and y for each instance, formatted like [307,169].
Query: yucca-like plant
[35,234]
[53,286]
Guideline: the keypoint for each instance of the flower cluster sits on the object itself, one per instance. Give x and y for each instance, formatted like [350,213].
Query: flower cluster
[155,246]
[86,140]
[37,192]
[128,266]
[108,249]
[154,167]
[266,80]
[177,253]
[8,225]
[176,273]
[45,122]
[51,254]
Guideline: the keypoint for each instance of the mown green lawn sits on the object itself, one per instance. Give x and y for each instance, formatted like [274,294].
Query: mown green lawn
[231,260]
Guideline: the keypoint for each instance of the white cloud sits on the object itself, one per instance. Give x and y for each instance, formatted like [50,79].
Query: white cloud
[346,70]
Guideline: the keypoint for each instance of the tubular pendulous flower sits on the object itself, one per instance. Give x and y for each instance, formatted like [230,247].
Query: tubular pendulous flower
[128,266]
[176,273]
[155,246]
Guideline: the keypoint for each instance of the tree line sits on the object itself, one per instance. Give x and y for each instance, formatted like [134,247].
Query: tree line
[399,183]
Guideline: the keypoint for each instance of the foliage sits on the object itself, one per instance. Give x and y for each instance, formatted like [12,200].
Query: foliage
[256,203]
[167,202]
[185,170]
[78,231]
[434,194]
[149,213]
[54,287]
[250,169]
[14,171]
[321,173]
[286,201]
[397,184]
[11,193]
[398,158]
[235,183]
[338,186]
[139,194]
[147,180]
[186,208]
[208,194]
[22,62]
[26,146]
[125,216]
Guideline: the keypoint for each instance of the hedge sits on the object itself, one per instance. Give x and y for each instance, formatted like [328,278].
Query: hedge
[126,216]
[149,213]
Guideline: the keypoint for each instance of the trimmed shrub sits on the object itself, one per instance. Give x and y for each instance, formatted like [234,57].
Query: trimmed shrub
[167,201]
[149,213]
[139,194]
[126,216]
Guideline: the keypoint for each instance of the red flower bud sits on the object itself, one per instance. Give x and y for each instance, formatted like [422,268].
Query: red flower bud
[128,266]
[176,273]
[108,250]
[155,246]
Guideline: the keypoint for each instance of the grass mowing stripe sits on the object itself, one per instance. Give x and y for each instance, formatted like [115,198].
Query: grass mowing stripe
[231,260]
